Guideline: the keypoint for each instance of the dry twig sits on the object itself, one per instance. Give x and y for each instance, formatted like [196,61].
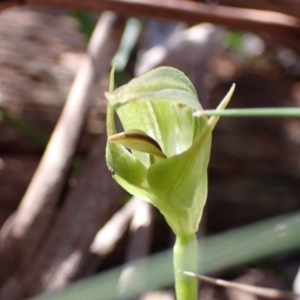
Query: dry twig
[139,245]
[140,232]
[109,235]
[25,232]
[290,7]
[258,291]
[276,24]
[107,238]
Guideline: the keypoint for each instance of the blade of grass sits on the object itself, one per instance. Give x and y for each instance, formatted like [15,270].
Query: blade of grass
[251,112]
[86,22]
[129,39]
[238,246]
[254,290]
[29,131]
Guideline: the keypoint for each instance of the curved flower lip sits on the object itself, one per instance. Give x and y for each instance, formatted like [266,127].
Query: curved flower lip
[137,140]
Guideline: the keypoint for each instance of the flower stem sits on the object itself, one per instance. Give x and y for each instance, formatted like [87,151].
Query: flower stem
[185,259]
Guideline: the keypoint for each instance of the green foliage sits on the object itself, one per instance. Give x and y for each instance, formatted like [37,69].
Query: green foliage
[239,246]
[267,112]
[234,40]
[130,36]
[26,129]
[86,23]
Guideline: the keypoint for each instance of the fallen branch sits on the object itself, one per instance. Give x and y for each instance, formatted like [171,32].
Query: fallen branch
[273,23]
[23,234]
[108,237]
[138,247]
[255,290]
[87,208]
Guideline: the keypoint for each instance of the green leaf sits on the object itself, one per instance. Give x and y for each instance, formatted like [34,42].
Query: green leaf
[130,36]
[216,253]
[181,181]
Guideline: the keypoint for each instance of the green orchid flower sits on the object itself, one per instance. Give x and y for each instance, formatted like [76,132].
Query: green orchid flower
[169,148]
[162,156]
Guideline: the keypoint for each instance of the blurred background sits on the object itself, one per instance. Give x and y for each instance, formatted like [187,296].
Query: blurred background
[62,216]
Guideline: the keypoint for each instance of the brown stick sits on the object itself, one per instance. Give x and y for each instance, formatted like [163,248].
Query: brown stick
[88,207]
[27,229]
[289,7]
[281,27]
[108,236]
[255,290]
[276,24]
[141,228]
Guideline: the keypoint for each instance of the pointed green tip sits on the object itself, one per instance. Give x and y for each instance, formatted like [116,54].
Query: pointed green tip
[112,78]
[221,106]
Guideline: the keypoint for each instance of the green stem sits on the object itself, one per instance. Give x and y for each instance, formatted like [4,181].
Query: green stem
[252,112]
[185,259]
